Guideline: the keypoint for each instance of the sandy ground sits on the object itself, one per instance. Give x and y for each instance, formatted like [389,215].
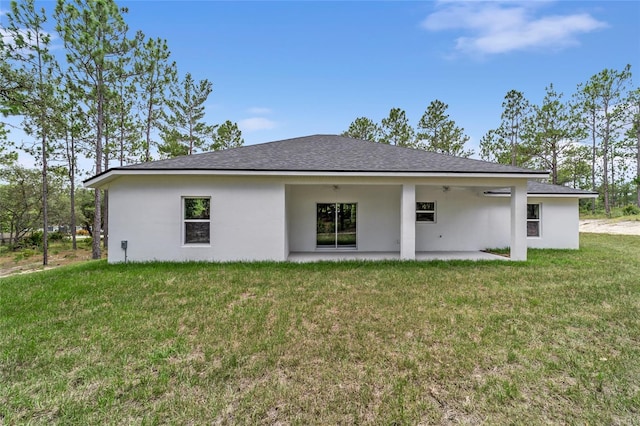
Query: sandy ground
[608,226]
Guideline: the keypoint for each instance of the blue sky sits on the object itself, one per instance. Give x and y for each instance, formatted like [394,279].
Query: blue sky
[287,69]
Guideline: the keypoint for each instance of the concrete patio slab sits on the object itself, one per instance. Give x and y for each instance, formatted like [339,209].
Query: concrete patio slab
[302,257]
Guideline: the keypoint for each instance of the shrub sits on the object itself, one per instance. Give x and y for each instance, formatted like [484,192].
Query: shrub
[631,210]
[23,254]
[36,237]
[57,236]
[33,240]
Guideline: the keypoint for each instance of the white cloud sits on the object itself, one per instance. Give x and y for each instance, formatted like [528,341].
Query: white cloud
[495,27]
[28,36]
[259,111]
[256,123]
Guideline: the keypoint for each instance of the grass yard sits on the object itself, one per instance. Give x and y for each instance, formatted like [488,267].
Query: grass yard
[553,340]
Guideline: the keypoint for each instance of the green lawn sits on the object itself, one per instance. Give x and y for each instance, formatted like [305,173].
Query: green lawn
[553,340]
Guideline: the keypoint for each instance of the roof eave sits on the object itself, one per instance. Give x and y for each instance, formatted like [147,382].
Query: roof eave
[104,178]
[544,195]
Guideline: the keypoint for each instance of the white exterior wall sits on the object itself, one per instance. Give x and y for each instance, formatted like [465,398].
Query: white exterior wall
[247,218]
[378,214]
[558,227]
[262,218]
[465,220]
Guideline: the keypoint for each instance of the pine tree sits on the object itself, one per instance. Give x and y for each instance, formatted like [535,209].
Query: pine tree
[227,135]
[601,102]
[396,129]
[73,130]
[439,133]
[30,54]
[551,131]
[155,74]
[95,37]
[184,131]
[633,133]
[505,144]
[364,128]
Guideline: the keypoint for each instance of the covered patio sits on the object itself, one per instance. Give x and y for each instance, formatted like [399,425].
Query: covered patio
[378,218]
[333,256]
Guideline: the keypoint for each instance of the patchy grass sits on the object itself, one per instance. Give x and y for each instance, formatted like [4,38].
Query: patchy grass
[617,215]
[553,340]
[612,219]
[30,259]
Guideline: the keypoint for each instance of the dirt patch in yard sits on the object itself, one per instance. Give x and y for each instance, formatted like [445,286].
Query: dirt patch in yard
[22,262]
[610,226]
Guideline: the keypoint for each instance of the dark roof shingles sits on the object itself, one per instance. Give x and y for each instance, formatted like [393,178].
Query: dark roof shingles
[328,153]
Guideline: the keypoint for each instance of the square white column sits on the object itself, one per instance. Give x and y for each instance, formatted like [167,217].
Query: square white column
[519,221]
[408,222]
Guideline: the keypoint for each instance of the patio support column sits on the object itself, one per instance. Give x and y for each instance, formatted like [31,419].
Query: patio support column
[408,222]
[519,221]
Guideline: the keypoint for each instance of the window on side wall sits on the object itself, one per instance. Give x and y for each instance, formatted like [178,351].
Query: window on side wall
[533,220]
[196,220]
[426,211]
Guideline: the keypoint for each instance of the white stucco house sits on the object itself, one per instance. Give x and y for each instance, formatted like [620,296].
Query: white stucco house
[322,195]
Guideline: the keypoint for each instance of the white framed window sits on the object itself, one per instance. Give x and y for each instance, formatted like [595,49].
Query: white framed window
[533,220]
[426,211]
[196,220]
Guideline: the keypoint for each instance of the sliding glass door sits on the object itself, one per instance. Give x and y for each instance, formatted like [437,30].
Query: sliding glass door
[336,225]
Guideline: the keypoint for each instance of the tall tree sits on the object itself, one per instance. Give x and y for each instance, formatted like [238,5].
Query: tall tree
[587,109]
[505,144]
[13,88]
[20,201]
[633,134]
[122,128]
[363,128]
[30,54]
[227,135]
[72,131]
[516,108]
[184,130]
[551,132]
[602,102]
[126,125]
[95,37]
[7,156]
[439,133]
[155,74]
[494,147]
[576,167]
[396,129]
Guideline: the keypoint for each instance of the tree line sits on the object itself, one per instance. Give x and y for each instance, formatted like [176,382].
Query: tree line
[95,91]
[590,140]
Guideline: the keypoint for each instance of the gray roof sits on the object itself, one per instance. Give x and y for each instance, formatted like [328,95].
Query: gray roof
[328,153]
[540,188]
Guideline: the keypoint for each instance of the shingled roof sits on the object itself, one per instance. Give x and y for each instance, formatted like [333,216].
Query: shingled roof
[328,153]
[540,188]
